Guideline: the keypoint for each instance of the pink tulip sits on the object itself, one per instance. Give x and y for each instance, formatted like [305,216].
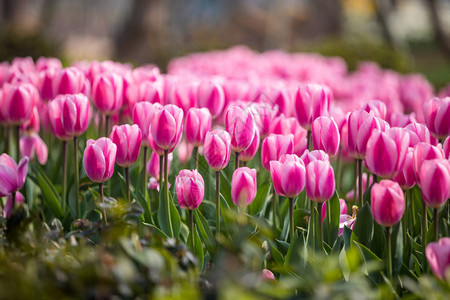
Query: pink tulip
[377,107]
[98,159]
[128,141]
[343,208]
[314,155]
[184,151]
[263,114]
[434,179]
[438,256]
[75,114]
[8,210]
[107,93]
[243,186]
[17,102]
[437,117]
[12,176]
[406,177]
[311,101]
[198,123]
[350,196]
[211,96]
[182,94]
[267,275]
[446,148]
[167,127]
[31,143]
[418,133]
[423,152]
[147,91]
[45,63]
[325,135]
[240,125]
[388,202]
[345,221]
[153,165]
[143,115]
[386,152]
[274,146]
[320,183]
[55,116]
[288,175]
[32,124]
[248,154]
[216,149]
[285,126]
[190,189]
[72,81]
[399,119]
[360,127]
[48,83]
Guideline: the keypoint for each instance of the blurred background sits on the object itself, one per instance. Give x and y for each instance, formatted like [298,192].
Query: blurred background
[404,35]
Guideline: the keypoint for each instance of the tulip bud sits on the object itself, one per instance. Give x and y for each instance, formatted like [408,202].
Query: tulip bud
[182,94]
[72,81]
[406,177]
[17,103]
[190,189]
[377,107]
[75,114]
[274,146]
[216,149]
[437,117]
[198,123]
[325,135]
[320,184]
[55,116]
[128,141]
[143,115]
[248,154]
[98,159]
[167,127]
[267,275]
[434,179]
[240,125]
[263,114]
[243,186]
[388,203]
[423,152]
[446,148]
[107,92]
[288,175]
[311,101]
[360,127]
[418,133]
[211,96]
[438,256]
[48,83]
[285,126]
[314,155]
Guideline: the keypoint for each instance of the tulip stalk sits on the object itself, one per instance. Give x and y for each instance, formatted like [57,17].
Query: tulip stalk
[195,155]
[236,160]
[145,178]
[319,208]
[161,172]
[8,139]
[436,224]
[102,200]
[360,181]
[77,179]
[389,253]
[127,182]
[424,234]
[291,219]
[339,169]
[64,171]
[17,136]
[106,125]
[191,229]
[274,211]
[217,203]
[308,140]
[166,186]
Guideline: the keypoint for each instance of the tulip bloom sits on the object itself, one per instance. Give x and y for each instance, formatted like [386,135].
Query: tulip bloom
[211,96]
[274,146]
[55,116]
[143,115]
[285,126]
[98,159]
[190,189]
[107,92]
[311,101]
[12,176]
[128,141]
[267,275]
[167,127]
[406,177]
[386,152]
[155,171]
[437,117]
[263,114]
[320,184]
[418,133]
[10,202]
[198,123]
[240,124]
[388,203]
[325,135]
[216,149]
[377,107]
[434,178]
[75,114]
[17,103]
[31,143]
[438,256]
[248,154]
[72,81]
[360,127]
[48,80]
[423,152]
[314,155]
[182,94]
[243,186]
[288,175]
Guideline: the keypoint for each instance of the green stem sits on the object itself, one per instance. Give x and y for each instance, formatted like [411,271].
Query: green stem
[161,172]
[319,208]
[166,186]
[102,200]
[191,229]
[8,139]
[308,141]
[127,182]
[312,224]
[106,126]
[217,203]
[389,253]
[424,234]
[145,179]
[17,134]
[339,169]
[355,194]
[64,172]
[236,160]
[13,196]
[274,211]
[360,193]
[291,219]
[195,155]
[436,224]
[77,179]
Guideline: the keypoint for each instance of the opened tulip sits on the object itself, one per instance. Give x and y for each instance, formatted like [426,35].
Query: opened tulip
[167,127]
[386,152]
[211,96]
[243,186]
[437,117]
[248,154]
[311,101]
[274,146]
[107,93]
[325,135]
[438,256]
[285,126]
[72,81]
[388,202]
[190,189]
[264,115]
[423,152]
[12,176]
[406,177]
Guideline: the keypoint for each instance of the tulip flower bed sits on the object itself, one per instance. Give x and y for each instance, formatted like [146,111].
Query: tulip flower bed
[237,174]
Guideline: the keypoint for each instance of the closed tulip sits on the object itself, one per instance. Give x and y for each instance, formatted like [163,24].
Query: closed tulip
[437,117]
[55,116]
[446,148]
[267,275]
[438,256]
[320,183]
[360,127]
[198,123]
[325,135]
[211,96]
[423,152]
[288,175]
[143,115]
[285,126]
[377,107]
[12,176]
[406,177]
[182,94]
[311,101]
[167,127]
[17,103]
[240,124]
[418,133]
[263,114]
[190,189]
[216,149]
[243,186]
[107,93]
[388,202]
[434,178]
[248,154]
[72,81]
[98,159]
[386,152]
[128,141]
[274,146]
[314,155]
[75,114]
[48,82]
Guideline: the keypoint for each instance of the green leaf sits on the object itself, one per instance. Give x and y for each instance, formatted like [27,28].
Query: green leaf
[331,222]
[205,231]
[198,248]
[164,217]
[292,254]
[276,255]
[313,237]
[363,228]
[156,229]
[397,248]
[262,195]
[379,240]
[49,193]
